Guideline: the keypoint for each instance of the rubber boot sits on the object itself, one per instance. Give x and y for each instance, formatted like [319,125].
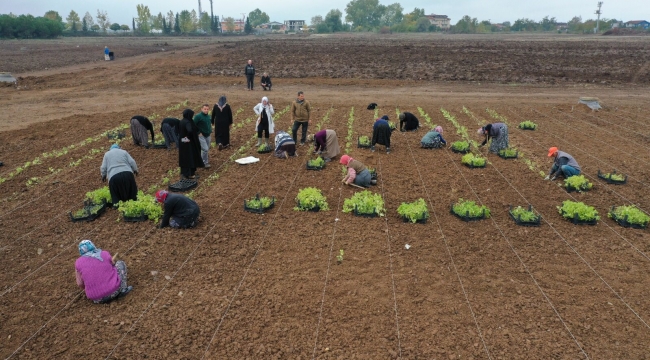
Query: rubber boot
[266,141]
[259,141]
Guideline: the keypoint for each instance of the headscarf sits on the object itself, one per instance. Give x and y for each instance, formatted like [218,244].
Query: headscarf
[345,160]
[481,131]
[188,114]
[552,151]
[222,102]
[88,249]
[114,146]
[402,116]
[267,102]
[438,129]
[161,195]
[385,117]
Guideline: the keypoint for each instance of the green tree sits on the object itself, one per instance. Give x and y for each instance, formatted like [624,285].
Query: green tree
[133,25]
[166,29]
[422,24]
[156,21]
[466,25]
[548,24]
[84,26]
[392,15]
[248,28]
[204,22]
[89,21]
[124,27]
[144,14]
[334,21]
[575,24]
[53,15]
[365,14]
[229,24]
[73,21]
[95,28]
[418,13]
[195,20]
[177,25]
[171,20]
[258,17]
[115,27]
[102,20]
[316,20]
[185,22]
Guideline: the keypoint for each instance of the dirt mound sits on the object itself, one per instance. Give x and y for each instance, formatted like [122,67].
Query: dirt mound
[625,32]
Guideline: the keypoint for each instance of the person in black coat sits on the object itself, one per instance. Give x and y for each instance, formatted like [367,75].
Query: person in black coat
[249,70]
[222,121]
[180,211]
[408,122]
[189,150]
[170,128]
[266,82]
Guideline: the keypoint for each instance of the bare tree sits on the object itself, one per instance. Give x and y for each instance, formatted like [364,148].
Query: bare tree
[102,20]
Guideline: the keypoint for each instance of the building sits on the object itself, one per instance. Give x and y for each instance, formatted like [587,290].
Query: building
[440,21]
[294,25]
[638,24]
[269,27]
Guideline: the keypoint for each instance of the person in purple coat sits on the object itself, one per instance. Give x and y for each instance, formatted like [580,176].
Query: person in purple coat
[102,277]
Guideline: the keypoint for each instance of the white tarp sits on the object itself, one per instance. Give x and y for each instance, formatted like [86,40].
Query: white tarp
[6,77]
[247,160]
[592,102]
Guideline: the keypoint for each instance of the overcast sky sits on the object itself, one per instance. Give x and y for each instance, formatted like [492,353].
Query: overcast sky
[121,11]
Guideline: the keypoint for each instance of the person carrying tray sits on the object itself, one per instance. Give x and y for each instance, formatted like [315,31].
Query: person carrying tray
[101,275]
[181,212]
[562,163]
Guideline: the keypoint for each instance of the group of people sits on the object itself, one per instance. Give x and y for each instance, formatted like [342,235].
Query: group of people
[249,71]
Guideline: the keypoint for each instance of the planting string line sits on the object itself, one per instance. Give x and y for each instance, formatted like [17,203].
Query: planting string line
[521,261]
[609,132]
[42,225]
[629,118]
[173,276]
[606,144]
[575,251]
[50,260]
[588,154]
[44,325]
[327,273]
[636,123]
[390,265]
[453,263]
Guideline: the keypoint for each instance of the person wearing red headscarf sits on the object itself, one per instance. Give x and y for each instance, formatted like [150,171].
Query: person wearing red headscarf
[562,163]
[180,211]
[358,173]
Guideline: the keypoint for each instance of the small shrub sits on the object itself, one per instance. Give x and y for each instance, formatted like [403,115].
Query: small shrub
[614,176]
[257,202]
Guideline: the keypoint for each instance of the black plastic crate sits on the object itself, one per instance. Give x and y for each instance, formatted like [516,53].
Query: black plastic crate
[89,216]
[624,223]
[361,146]
[314,209]
[466,217]
[460,151]
[570,189]
[576,221]
[508,157]
[183,185]
[266,150]
[159,146]
[419,221]
[609,179]
[374,214]
[317,168]
[261,209]
[115,135]
[520,222]
[472,166]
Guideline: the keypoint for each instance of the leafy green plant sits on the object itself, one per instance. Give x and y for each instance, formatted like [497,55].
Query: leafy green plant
[473,160]
[577,182]
[310,198]
[510,152]
[392,125]
[263,148]
[629,213]
[414,211]
[256,202]
[318,162]
[614,176]
[32,181]
[339,257]
[364,140]
[460,146]
[470,208]
[524,214]
[87,211]
[144,205]
[527,125]
[365,202]
[99,196]
[585,212]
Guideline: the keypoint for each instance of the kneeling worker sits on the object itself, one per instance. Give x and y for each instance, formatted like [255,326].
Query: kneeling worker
[358,173]
[562,163]
[180,211]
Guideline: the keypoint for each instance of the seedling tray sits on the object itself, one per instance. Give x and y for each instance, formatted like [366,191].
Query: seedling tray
[520,222]
[460,151]
[159,146]
[527,128]
[373,174]
[115,135]
[570,189]
[467,217]
[420,221]
[427,146]
[267,150]
[509,157]
[183,185]
[260,210]
[609,180]
[624,223]
[314,209]
[577,221]
[359,145]
[317,168]
[140,218]
[89,217]
[471,166]
[374,214]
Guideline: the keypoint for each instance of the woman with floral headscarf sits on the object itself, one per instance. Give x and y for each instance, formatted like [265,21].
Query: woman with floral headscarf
[222,121]
[357,172]
[189,151]
[433,139]
[265,112]
[498,132]
[180,211]
[102,277]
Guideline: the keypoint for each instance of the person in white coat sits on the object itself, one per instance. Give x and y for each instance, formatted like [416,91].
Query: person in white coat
[264,124]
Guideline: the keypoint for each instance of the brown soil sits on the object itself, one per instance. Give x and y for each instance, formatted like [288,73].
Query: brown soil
[268,286]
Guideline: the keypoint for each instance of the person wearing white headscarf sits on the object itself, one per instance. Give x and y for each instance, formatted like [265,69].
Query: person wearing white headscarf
[102,277]
[264,123]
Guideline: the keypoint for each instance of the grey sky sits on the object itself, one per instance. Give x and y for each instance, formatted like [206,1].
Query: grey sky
[121,11]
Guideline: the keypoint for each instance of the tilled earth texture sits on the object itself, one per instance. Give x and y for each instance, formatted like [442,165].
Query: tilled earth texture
[249,286]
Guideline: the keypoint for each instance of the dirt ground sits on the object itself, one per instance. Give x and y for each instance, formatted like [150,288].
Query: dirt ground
[243,285]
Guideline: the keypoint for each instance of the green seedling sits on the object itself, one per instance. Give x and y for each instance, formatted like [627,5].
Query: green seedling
[310,198]
[470,208]
[339,257]
[585,212]
[365,202]
[415,211]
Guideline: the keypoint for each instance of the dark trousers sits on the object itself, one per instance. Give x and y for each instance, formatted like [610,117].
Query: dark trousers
[263,127]
[123,187]
[250,79]
[187,172]
[267,87]
[294,131]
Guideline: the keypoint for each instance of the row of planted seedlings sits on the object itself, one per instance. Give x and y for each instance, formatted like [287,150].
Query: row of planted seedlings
[318,163]
[464,146]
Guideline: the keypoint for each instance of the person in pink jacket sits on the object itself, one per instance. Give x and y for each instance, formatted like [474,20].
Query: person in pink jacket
[99,274]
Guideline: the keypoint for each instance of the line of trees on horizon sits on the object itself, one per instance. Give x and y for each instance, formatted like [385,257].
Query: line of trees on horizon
[360,15]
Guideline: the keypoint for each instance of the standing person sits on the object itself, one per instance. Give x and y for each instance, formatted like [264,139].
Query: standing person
[139,127]
[327,144]
[562,163]
[357,174]
[119,167]
[181,212]
[381,134]
[189,151]
[204,123]
[170,128]
[107,53]
[284,145]
[249,70]
[408,122]
[222,121]
[266,82]
[265,112]
[300,112]
[433,139]
[101,275]
[498,132]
